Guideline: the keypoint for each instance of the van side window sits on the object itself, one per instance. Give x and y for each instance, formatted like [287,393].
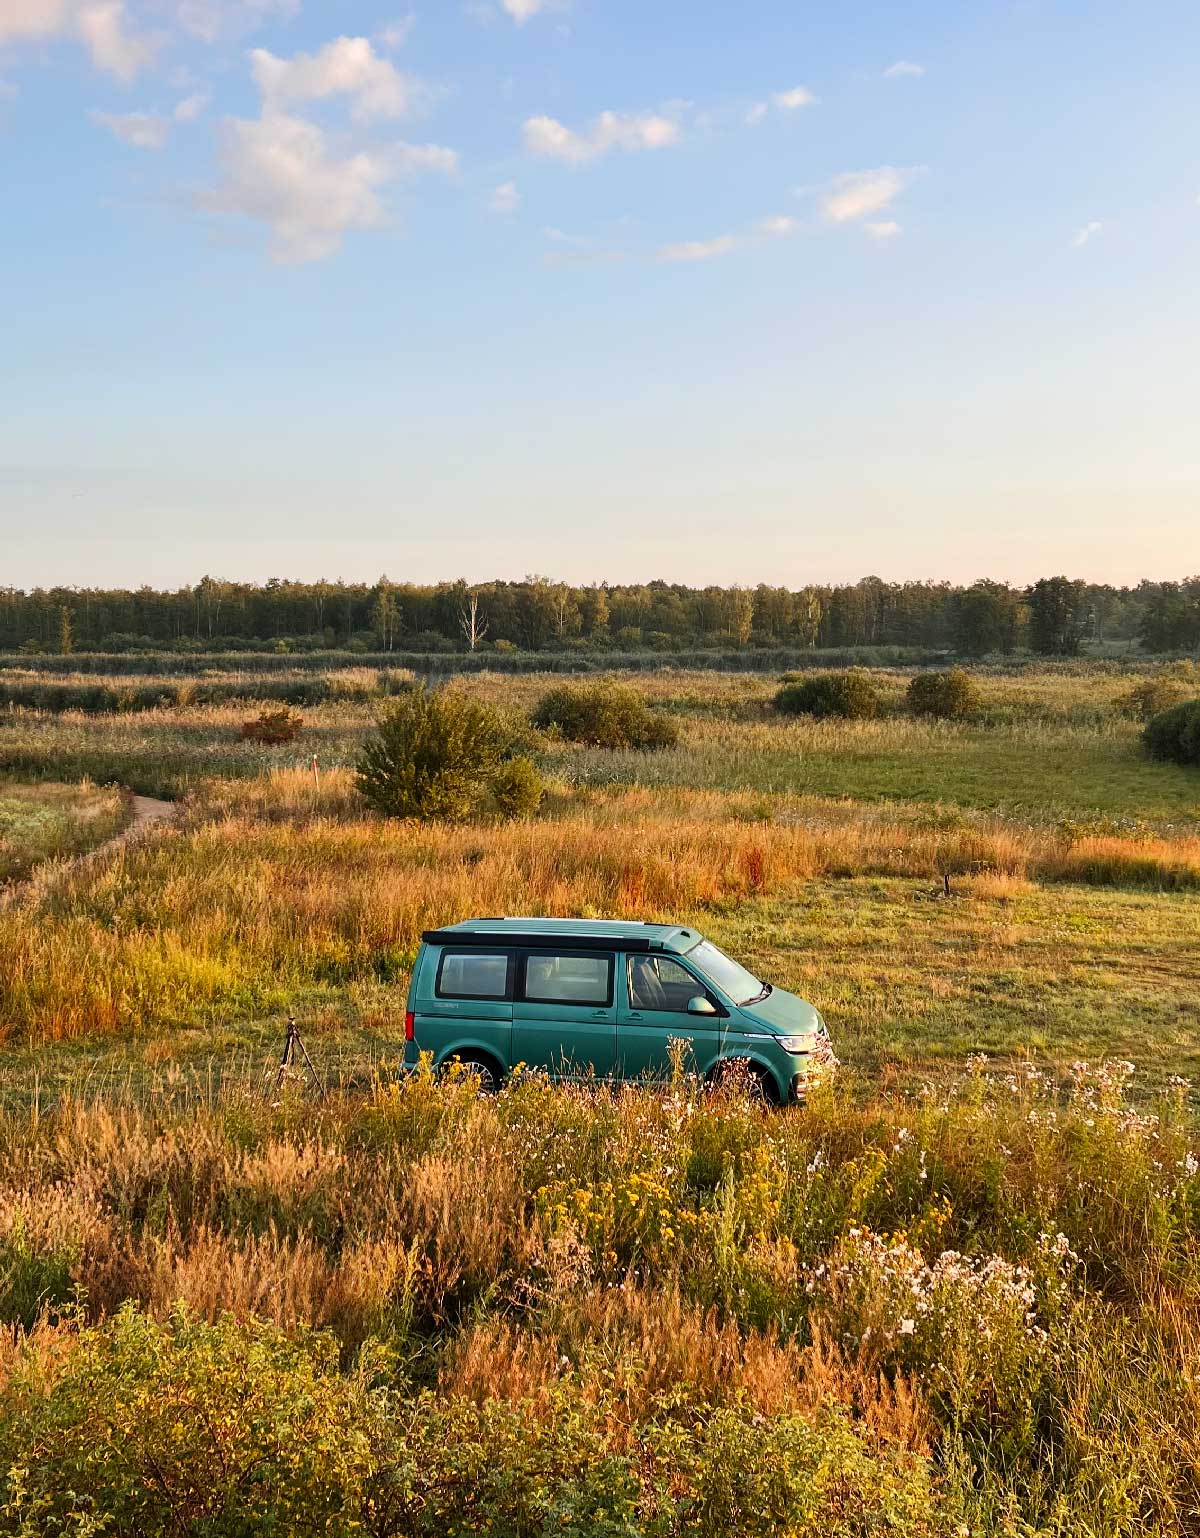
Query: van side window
[562,978]
[472,975]
[657,982]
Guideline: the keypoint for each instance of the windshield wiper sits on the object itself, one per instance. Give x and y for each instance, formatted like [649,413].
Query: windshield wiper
[767,989]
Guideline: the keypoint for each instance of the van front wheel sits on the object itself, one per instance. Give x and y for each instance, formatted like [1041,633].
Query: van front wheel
[739,1074]
[482,1071]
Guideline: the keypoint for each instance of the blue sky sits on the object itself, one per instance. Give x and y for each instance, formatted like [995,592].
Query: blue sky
[605,289]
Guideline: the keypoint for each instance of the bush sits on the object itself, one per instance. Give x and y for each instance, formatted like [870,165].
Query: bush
[186,1427]
[434,756]
[853,696]
[604,715]
[272,728]
[235,1428]
[950,696]
[517,788]
[1152,696]
[1174,735]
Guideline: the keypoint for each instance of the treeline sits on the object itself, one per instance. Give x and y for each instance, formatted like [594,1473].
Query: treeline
[1056,616]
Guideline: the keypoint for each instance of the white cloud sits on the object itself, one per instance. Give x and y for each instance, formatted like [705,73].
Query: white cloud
[856,194]
[882,229]
[348,66]
[788,101]
[211,19]
[612,130]
[700,250]
[190,108]
[33,18]
[102,27]
[522,11]
[1093,227]
[112,45]
[280,171]
[774,228]
[396,33]
[506,199]
[142,130]
[901,68]
[782,101]
[408,159]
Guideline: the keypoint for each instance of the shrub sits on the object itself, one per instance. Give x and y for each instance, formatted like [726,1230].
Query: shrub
[1151,696]
[186,1427]
[851,695]
[604,715]
[1174,735]
[517,788]
[233,1428]
[949,696]
[433,756]
[272,728]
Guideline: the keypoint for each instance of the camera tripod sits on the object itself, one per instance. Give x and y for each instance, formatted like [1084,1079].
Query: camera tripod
[293,1044]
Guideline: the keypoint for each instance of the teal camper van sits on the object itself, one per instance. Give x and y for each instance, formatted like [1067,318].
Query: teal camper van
[603,1000]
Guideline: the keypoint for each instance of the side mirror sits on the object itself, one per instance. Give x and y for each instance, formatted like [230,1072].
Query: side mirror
[700,1006]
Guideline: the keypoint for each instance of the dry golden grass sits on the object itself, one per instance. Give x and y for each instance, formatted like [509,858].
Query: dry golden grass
[278,883]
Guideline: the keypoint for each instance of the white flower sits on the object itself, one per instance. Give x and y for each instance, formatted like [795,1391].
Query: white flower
[908,1326]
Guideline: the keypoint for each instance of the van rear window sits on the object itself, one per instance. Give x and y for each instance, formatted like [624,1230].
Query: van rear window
[473,975]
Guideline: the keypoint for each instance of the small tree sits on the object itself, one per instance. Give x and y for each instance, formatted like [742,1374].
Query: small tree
[433,756]
[1151,696]
[385,614]
[950,696]
[1174,735]
[517,788]
[852,696]
[473,626]
[273,728]
[66,635]
[604,715]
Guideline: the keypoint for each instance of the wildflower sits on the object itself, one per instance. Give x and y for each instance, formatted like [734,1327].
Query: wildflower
[908,1326]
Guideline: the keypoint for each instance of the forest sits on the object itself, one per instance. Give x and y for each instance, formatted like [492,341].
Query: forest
[1055,616]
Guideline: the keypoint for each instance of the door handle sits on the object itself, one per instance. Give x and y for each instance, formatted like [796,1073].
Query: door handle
[599,1014]
[633,1015]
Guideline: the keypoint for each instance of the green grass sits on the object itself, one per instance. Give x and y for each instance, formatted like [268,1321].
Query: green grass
[1040,772]
[913,983]
[49,821]
[1052,745]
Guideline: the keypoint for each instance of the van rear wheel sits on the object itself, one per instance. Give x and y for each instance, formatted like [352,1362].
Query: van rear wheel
[468,1065]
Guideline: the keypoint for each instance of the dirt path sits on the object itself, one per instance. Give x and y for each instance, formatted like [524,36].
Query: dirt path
[146,814]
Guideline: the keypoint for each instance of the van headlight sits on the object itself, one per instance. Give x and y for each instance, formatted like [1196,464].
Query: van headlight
[796,1046]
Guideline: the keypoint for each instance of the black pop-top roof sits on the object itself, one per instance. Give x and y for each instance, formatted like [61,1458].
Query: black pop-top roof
[579,934]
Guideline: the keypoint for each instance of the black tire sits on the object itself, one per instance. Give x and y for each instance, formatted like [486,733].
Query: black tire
[734,1071]
[485,1072]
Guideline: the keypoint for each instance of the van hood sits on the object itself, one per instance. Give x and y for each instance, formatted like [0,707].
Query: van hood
[783,1013]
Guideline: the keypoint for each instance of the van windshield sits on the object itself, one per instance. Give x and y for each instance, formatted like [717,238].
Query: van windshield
[728,975]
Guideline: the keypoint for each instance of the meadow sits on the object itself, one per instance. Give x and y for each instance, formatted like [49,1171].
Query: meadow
[960,1292]
[49,822]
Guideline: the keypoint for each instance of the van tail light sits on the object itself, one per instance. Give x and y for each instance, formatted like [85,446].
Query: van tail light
[409,1024]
